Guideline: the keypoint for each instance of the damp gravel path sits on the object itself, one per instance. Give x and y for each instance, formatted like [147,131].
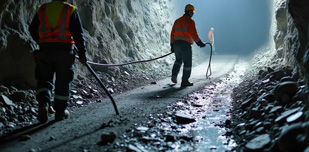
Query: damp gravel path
[210,108]
[83,130]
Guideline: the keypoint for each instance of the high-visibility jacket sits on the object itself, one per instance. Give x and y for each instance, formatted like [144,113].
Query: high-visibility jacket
[210,36]
[54,20]
[184,29]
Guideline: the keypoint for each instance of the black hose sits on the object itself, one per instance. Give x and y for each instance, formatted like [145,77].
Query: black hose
[101,83]
[103,86]
[121,64]
[209,67]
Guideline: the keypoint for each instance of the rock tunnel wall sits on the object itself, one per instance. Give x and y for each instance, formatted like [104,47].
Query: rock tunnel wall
[292,34]
[116,32]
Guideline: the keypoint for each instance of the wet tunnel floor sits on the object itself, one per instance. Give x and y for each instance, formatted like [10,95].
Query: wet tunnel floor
[210,107]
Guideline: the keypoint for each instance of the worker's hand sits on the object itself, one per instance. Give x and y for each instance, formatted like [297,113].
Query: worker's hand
[201,44]
[82,59]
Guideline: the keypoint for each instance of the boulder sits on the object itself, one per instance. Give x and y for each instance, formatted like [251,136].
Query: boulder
[108,137]
[289,88]
[183,118]
[293,138]
[259,143]
[282,118]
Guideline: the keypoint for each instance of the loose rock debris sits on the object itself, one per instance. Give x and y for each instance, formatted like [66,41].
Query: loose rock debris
[265,110]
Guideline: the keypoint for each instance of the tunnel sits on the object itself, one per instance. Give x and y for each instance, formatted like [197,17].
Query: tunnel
[247,88]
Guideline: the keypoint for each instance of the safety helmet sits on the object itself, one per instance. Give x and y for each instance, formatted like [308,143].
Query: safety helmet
[212,29]
[189,7]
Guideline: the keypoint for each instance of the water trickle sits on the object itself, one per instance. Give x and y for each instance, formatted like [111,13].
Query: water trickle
[196,123]
[210,133]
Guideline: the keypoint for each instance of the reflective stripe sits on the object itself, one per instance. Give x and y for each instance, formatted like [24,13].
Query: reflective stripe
[183,38]
[43,28]
[198,39]
[64,17]
[176,24]
[184,27]
[62,97]
[186,68]
[186,23]
[184,30]
[42,90]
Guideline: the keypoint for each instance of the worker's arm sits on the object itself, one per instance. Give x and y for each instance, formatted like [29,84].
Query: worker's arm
[77,32]
[173,37]
[194,35]
[33,28]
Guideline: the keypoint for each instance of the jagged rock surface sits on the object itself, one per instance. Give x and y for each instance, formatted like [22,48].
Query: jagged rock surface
[116,32]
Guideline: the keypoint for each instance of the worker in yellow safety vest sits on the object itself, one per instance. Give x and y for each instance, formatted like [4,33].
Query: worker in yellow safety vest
[211,37]
[56,27]
[183,35]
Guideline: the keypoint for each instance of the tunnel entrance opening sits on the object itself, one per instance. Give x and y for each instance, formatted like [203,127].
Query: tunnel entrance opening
[240,26]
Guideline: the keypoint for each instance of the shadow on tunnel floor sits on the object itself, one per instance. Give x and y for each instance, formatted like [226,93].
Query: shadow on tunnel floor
[27,130]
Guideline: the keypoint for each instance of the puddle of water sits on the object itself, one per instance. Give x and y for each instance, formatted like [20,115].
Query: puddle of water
[210,107]
[210,132]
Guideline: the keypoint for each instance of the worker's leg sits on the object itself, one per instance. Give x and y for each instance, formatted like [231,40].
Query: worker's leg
[64,77]
[178,62]
[187,59]
[44,73]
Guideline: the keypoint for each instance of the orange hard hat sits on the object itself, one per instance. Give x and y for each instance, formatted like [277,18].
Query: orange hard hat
[189,7]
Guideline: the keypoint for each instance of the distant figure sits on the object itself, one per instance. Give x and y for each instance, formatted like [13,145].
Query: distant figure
[56,27]
[183,35]
[211,37]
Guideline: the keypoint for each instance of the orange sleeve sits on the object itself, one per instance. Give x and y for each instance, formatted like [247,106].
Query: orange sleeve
[193,32]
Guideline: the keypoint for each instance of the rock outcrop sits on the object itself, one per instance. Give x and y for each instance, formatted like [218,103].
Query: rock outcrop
[291,37]
[298,10]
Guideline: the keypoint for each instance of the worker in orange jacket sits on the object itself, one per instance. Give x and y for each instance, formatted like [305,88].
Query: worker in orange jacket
[211,37]
[183,35]
[56,27]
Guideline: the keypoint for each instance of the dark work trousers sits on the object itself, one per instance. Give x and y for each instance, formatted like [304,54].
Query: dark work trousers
[59,62]
[183,53]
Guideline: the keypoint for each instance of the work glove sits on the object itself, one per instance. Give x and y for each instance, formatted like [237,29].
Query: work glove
[201,44]
[82,59]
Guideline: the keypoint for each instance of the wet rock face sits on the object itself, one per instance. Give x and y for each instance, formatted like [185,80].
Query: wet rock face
[299,12]
[297,42]
[292,33]
[116,32]
[281,23]
[15,40]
